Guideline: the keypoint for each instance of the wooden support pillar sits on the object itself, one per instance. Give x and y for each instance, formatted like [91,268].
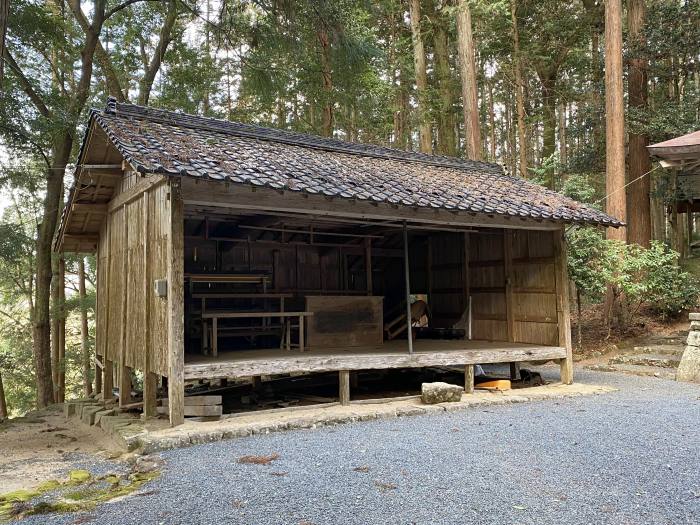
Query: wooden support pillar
[125,384]
[407,271]
[566,364]
[344,387]
[508,278]
[368,264]
[469,379]
[98,374]
[107,380]
[150,395]
[176,313]
[514,371]
[150,379]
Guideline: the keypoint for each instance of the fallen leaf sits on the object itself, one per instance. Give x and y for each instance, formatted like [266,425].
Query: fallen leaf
[385,486]
[278,474]
[361,469]
[238,504]
[519,507]
[258,460]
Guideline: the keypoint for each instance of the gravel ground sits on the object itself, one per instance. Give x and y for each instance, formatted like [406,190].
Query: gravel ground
[631,457]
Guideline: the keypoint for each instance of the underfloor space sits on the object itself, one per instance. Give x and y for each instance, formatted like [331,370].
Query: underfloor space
[390,355]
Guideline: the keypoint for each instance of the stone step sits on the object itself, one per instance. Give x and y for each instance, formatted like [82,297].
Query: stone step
[655,360]
[637,370]
[669,349]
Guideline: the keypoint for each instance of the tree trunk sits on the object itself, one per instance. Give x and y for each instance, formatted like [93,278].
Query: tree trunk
[164,39]
[548,79]
[4,13]
[327,103]
[614,119]
[61,335]
[519,96]
[579,331]
[3,401]
[424,131]
[84,333]
[467,69]
[41,318]
[446,143]
[563,149]
[492,123]
[639,211]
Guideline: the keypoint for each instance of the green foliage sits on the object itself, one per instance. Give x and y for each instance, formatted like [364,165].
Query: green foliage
[642,276]
[653,276]
[591,260]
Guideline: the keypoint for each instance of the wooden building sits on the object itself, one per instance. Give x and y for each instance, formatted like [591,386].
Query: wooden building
[682,155]
[226,251]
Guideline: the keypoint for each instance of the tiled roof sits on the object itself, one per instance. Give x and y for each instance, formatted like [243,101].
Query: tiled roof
[157,141]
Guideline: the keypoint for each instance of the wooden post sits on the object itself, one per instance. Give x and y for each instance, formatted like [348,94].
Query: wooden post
[407,271]
[508,277]
[107,380]
[368,264]
[124,373]
[344,387]
[469,379]
[301,333]
[214,336]
[150,380]
[176,303]
[563,315]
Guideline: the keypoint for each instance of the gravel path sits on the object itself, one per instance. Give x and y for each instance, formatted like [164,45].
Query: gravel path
[631,457]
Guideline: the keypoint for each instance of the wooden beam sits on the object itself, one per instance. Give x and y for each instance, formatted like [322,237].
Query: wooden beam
[344,387]
[91,208]
[241,197]
[135,191]
[176,301]
[310,362]
[566,364]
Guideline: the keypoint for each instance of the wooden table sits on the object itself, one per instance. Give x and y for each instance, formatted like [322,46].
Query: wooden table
[215,316]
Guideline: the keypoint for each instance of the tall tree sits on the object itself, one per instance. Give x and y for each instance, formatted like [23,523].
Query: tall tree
[467,69]
[639,209]
[446,137]
[424,127]
[4,13]
[519,93]
[616,204]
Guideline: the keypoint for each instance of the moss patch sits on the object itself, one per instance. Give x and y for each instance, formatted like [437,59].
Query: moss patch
[80,492]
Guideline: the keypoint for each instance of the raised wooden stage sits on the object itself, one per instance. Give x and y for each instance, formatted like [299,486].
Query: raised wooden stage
[391,354]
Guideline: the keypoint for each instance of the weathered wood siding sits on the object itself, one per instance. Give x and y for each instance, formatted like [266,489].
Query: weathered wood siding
[131,320]
[513,286]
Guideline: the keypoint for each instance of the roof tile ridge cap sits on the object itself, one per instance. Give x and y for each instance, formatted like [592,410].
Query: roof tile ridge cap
[295,137]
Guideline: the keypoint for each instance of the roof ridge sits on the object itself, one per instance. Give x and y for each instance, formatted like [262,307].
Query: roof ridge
[293,138]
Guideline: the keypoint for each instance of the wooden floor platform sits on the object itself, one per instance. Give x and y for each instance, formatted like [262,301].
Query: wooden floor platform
[391,354]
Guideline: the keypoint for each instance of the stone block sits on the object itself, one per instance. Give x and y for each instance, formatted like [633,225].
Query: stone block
[693,338]
[694,316]
[439,392]
[87,416]
[689,367]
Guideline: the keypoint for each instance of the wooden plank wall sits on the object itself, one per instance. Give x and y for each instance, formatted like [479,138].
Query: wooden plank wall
[487,283]
[448,279]
[513,288]
[132,233]
[534,288]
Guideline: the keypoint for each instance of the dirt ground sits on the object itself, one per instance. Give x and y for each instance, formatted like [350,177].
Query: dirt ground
[43,446]
[599,343]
